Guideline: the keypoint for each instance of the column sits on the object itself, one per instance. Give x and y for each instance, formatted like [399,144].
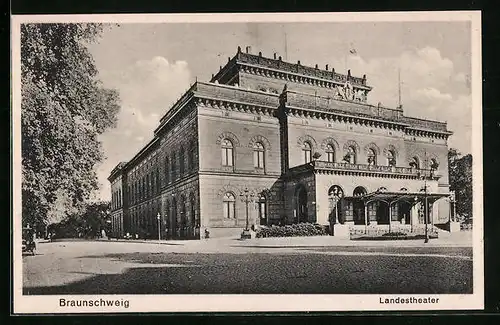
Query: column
[414,214]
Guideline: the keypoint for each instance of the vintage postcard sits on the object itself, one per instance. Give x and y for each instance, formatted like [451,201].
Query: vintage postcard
[247,162]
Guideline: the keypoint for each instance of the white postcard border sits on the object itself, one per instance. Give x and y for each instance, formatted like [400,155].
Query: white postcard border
[254,303]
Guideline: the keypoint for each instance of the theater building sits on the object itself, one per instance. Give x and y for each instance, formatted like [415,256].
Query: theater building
[282,143]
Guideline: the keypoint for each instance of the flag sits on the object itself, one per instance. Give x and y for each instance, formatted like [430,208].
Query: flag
[353,51]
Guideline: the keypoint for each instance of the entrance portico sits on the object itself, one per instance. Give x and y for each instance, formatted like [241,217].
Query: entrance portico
[402,207]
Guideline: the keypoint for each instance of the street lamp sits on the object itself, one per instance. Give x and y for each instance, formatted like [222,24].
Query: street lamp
[158,216]
[336,194]
[426,208]
[247,198]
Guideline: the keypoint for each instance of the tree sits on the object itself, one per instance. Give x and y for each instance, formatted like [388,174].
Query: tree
[88,222]
[64,108]
[460,168]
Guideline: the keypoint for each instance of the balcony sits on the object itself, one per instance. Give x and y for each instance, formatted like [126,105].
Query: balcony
[372,170]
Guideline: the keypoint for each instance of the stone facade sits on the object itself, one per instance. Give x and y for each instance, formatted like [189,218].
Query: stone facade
[264,142]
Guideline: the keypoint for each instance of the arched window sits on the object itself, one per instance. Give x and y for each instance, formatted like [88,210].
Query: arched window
[371,157]
[167,171]
[434,164]
[415,163]
[191,157]
[148,185]
[391,158]
[158,187]
[330,153]
[262,210]
[307,149]
[258,155]
[228,206]
[227,152]
[359,191]
[192,203]
[173,162]
[181,161]
[351,155]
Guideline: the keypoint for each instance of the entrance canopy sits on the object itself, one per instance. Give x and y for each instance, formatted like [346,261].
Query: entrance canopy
[410,197]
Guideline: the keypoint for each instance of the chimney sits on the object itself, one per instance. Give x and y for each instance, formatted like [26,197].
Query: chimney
[260,53]
[248,49]
[326,68]
[364,77]
[298,62]
[228,59]
[333,70]
[275,55]
[279,58]
[239,49]
[316,66]
[220,67]
[349,72]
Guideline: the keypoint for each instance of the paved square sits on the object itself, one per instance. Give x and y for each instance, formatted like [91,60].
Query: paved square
[250,267]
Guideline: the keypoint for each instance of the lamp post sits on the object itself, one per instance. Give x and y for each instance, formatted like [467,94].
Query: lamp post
[336,195]
[158,216]
[426,213]
[426,204]
[247,198]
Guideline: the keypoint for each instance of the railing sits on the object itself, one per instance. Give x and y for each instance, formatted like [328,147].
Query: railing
[373,168]
[426,124]
[300,69]
[321,103]
[232,93]
[379,230]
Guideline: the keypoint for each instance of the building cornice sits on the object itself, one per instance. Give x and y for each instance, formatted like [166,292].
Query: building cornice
[421,132]
[343,117]
[296,77]
[328,168]
[232,105]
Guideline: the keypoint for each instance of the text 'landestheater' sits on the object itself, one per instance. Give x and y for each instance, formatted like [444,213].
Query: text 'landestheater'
[300,143]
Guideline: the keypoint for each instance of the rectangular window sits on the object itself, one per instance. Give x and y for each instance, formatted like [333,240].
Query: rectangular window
[228,210]
[394,212]
[258,159]
[262,210]
[227,157]
[372,211]
[231,210]
[307,156]
[348,212]
[330,156]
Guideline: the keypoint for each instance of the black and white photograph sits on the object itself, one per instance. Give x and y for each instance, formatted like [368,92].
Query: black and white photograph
[247,162]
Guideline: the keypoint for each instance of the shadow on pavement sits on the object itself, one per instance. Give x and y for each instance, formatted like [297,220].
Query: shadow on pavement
[257,273]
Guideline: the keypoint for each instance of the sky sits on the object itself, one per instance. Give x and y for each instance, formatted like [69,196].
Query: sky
[152,65]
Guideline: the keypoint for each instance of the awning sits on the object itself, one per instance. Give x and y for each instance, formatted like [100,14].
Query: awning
[410,197]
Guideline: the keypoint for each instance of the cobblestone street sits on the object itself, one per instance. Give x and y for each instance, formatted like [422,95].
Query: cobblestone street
[256,266]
